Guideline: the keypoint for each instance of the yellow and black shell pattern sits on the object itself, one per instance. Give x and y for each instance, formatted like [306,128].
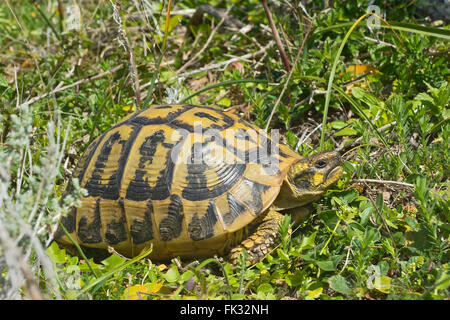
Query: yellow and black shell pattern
[183,178]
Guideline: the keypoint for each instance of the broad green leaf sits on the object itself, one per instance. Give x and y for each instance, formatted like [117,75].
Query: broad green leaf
[237,296]
[224,102]
[3,82]
[315,293]
[153,287]
[186,275]
[265,288]
[329,218]
[346,132]
[339,283]
[371,235]
[365,214]
[443,282]
[295,279]
[282,254]
[113,261]
[327,265]
[131,293]
[56,254]
[308,242]
[338,124]
[172,274]
[382,284]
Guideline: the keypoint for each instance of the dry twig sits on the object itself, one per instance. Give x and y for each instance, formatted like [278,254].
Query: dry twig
[398,183]
[213,32]
[277,37]
[60,88]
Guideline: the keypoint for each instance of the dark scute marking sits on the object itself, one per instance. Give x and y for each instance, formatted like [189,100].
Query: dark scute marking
[197,188]
[115,232]
[170,227]
[162,107]
[129,120]
[264,154]
[93,185]
[139,188]
[203,228]
[245,123]
[69,222]
[256,155]
[272,147]
[144,121]
[257,189]
[142,230]
[163,185]
[90,233]
[93,148]
[224,117]
[242,134]
[267,149]
[179,124]
[97,254]
[148,148]
[206,115]
[284,155]
[112,191]
[236,209]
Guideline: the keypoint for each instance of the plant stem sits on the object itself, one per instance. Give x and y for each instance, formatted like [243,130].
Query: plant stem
[277,37]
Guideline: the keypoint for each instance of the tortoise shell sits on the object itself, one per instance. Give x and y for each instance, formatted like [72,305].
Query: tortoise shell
[181,177]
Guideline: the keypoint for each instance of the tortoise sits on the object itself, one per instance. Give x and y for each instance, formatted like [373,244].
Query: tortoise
[192,181]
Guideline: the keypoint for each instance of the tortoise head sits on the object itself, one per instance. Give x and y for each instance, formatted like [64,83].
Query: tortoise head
[308,179]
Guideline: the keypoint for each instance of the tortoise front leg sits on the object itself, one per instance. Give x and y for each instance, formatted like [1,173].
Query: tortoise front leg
[261,241]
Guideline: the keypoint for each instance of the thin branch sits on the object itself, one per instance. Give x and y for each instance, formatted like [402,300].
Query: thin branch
[218,65]
[277,37]
[59,88]
[213,32]
[403,184]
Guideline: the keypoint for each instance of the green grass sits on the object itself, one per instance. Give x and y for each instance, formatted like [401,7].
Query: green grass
[368,238]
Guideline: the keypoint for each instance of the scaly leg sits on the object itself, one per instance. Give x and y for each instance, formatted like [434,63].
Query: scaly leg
[261,241]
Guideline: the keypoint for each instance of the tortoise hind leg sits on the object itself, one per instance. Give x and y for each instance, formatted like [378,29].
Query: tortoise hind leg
[261,241]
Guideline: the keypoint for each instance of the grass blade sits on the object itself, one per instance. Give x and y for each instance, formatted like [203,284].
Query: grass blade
[110,273]
[80,251]
[330,80]
[47,21]
[401,26]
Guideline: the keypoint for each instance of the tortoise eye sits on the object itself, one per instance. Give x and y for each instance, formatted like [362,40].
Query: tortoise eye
[320,164]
